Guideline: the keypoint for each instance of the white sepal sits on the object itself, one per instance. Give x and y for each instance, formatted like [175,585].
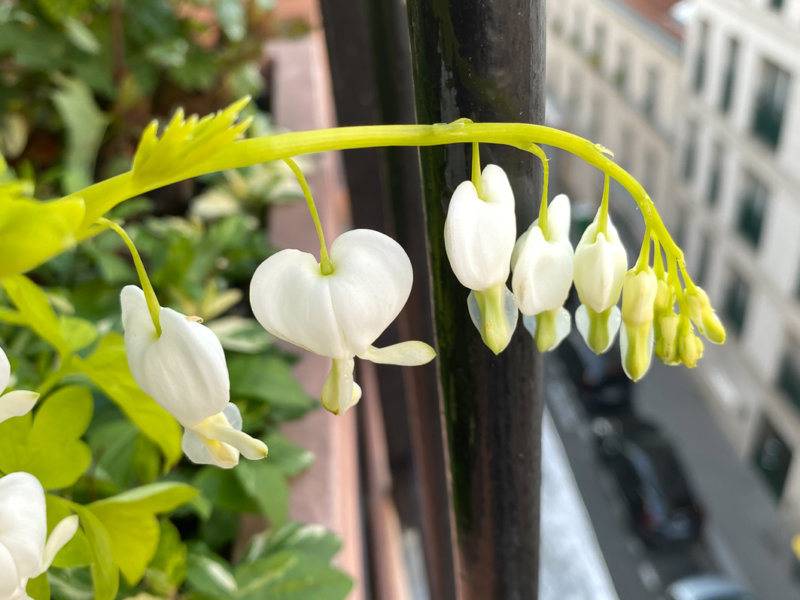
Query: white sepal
[479,232]
[16,404]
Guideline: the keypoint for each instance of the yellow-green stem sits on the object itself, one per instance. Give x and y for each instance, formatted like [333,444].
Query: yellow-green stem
[644,253]
[476,169]
[687,281]
[149,292]
[658,263]
[324,260]
[107,194]
[602,217]
[539,153]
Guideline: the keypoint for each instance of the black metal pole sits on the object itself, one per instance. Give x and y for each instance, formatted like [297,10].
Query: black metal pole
[484,60]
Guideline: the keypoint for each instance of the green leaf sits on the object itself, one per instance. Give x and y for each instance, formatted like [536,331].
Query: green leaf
[268,379]
[32,303]
[50,448]
[32,231]
[133,530]
[223,489]
[267,486]
[71,584]
[287,456]
[84,123]
[105,573]
[38,588]
[240,334]
[209,574]
[232,19]
[312,540]
[77,333]
[108,368]
[167,570]
[290,575]
[76,552]
[81,36]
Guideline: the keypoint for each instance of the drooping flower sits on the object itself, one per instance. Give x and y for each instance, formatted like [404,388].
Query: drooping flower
[479,235]
[702,314]
[339,314]
[542,266]
[600,265]
[16,403]
[184,371]
[639,291]
[25,550]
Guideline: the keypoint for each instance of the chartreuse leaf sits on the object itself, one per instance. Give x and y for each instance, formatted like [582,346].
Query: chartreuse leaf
[77,333]
[105,573]
[291,575]
[39,588]
[76,552]
[183,144]
[108,368]
[34,307]
[50,447]
[33,231]
[133,529]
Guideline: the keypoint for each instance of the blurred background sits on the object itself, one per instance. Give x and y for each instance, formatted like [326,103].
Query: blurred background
[680,487]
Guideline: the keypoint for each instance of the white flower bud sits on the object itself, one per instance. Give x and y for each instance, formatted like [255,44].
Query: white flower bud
[600,265]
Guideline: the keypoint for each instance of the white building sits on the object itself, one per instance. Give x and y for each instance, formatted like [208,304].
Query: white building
[707,117]
[740,158]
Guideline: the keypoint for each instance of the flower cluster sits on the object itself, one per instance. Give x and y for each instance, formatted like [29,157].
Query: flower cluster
[480,242]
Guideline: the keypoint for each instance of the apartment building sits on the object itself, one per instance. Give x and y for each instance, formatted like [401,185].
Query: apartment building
[738,157]
[698,100]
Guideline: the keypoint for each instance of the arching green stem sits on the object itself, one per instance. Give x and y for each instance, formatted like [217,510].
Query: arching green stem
[644,253]
[476,169]
[539,153]
[324,260]
[149,293]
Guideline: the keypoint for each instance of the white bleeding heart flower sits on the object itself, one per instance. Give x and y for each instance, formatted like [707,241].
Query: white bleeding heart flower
[184,371]
[600,266]
[543,275]
[16,403]
[339,314]
[479,235]
[25,550]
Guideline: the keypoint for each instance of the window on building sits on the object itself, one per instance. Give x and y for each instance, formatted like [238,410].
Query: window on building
[650,176]
[700,59]
[650,93]
[573,104]
[577,28]
[715,178]
[690,152]
[596,58]
[753,205]
[771,103]
[623,66]
[789,375]
[729,80]
[772,456]
[626,150]
[776,4]
[737,296]
[705,259]
[596,118]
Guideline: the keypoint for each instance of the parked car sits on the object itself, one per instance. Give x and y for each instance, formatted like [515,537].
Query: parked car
[603,387]
[707,587]
[662,505]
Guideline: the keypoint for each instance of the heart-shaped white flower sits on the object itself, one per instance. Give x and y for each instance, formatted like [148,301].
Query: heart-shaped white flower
[25,550]
[184,371]
[543,275]
[339,314]
[18,402]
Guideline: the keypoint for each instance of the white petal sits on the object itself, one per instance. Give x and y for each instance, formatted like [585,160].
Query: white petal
[542,273]
[340,392]
[219,439]
[370,285]
[559,217]
[600,267]
[184,370]
[479,234]
[5,370]
[408,354]
[9,578]
[61,534]
[16,404]
[337,315]
[23,521]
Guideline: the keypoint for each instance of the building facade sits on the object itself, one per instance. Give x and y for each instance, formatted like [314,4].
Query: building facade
[698,101]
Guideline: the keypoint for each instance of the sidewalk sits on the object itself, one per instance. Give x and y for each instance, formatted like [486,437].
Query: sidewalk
[572,566]
[744,532]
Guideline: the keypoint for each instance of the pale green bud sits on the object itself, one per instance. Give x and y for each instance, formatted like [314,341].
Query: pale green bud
[666,335]
[704,317]
[639,291]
